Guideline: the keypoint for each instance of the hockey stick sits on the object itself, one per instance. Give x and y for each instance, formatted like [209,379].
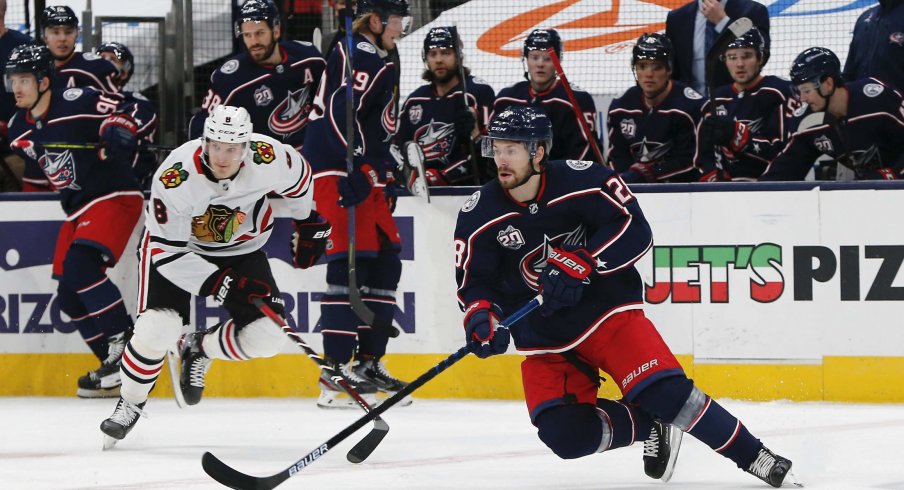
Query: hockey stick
[317,38]
[734,30]
[591,136]
[815,119]
[367,315]
[475,168]
[233,478]
[370,442]
[94,146]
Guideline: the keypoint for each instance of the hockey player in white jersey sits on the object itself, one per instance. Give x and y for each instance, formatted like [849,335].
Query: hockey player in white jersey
[208,217]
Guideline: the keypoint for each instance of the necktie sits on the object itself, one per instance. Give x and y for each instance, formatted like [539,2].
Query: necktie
[710,36]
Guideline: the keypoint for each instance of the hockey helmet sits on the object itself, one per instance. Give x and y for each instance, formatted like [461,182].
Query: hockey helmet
[123,54]
[751,39]
[655,47]
[228,124]
[30,58]
[384,8]
[257,11]
[440,37]
[542,40]
[815,65]
[57,15]
[519,123]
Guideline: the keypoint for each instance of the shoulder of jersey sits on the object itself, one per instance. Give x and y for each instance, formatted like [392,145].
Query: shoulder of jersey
[478,81]
[622,100]
[873,87]
[689,93]
[301,50]
[229,67]
[425,90]
[577,172]
[79,96]
[89,56]
[178,172]
[515,88]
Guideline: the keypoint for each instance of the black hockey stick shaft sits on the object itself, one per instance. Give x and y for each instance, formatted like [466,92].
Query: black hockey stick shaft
[233,478]
[93,146]
[592,138]
[366,446]
[734,30]
[475,168]
[354,294]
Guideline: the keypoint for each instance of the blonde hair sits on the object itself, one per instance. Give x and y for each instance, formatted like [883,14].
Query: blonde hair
[362,24]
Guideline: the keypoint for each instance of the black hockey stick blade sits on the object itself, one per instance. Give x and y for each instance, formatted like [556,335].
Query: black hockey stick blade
[233,478]
[366,446]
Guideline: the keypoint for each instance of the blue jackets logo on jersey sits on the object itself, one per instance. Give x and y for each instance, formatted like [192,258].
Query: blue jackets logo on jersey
[60,170]
[650,151]
[291,114]
[534,261]
[435,139]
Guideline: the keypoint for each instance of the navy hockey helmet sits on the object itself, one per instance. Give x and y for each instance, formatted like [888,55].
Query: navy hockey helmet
[751,39]
[440,37]
[257,11]
[123,54]
[30,58]
[384,8]
[57,15]
[519,123]
[815,65]
[655,47]
[542,40]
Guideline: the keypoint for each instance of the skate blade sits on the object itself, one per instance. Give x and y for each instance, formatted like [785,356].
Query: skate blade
[344,402]
[172,360]
[792,479]
[109,442]
[101,393]
[675,436]
[383,395]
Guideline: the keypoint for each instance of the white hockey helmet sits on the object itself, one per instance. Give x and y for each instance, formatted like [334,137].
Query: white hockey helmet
[228,124]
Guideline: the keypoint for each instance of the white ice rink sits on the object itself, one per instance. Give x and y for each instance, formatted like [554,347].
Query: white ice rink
[54,443]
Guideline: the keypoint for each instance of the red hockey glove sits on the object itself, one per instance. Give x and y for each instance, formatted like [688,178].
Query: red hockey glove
[562,281]
[481,335]
[309,240]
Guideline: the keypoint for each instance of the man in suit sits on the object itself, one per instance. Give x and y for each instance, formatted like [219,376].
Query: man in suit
[708,18]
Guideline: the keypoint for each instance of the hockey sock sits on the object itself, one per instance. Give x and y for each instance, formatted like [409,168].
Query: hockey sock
[72,306]
[83,272]
[628,423]
[221,342]
[339,325]
[140,368]
[382,303]
[381,278]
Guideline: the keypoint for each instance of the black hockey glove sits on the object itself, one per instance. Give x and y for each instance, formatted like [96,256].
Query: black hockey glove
[234,289]
[726,132]
[355,188]
[309,240]
[464,124]
[481,335]
[118,138]
[562,281]
[639,173]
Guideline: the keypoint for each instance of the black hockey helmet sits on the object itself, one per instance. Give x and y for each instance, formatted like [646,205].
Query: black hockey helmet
[751,39]
[31,58]
[519,123]
[257,11]
[542,40]
[440,37]
[384,8]
[653,46]
[815,65]
[57,15]
[123,54]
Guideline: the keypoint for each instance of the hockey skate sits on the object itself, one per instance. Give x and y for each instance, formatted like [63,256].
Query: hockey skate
[660,450]
[104,382]
[193,368]
[124,417]
[373,370]
[332,395]
[770,467]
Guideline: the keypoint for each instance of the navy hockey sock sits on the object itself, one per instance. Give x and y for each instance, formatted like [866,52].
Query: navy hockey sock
[382,303]
[339,327]
[83,273]
[628,424]
[90,332]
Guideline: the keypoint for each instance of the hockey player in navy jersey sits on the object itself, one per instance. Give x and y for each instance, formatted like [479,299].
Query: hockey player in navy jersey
[653,126]
[542,90]
[142,110]
[208,218]
[97,190]
[59,29]
[435,117]
[377,26]
[572,231]
[861,123]
[273,80]
[748,129]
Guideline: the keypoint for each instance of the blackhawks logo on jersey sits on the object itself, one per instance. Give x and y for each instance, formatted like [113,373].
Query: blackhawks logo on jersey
[217,224]
[262,152]
[173,176]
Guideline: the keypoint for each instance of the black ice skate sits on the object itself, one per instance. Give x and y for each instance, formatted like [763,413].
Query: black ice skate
[124,417]
[104,382]
[333,396]
[372,369]
[194,367]
[660,451]
[769,467]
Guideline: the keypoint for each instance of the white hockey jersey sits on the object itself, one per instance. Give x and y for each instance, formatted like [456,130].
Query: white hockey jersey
[190,215]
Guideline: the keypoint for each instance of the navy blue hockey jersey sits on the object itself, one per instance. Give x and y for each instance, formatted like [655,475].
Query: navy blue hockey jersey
[373,85]
[80,176]
[877,45]
[764,109]
[428,119]
[665,135]
[871,136]
[568,138]
[8,42]
[86,70]
[144,113]
[502,246]
[279,98]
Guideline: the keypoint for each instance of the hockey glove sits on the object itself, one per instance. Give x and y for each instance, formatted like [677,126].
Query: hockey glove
[234,289]
[118,138]
[435,177]
[309,240]
[726,132]
[481,334]
[562,281]
[639,173]
[464,124]
[355,188]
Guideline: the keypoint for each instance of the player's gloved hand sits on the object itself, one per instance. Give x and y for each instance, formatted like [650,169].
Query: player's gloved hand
[118,138]
[233,287]
[435,177]
[715,175]
[309,240]
[884,173]
[562,280]
[355,188]
[482,336]
[391,194]
[639,173]
[4,130]
[464,124]
[727,132]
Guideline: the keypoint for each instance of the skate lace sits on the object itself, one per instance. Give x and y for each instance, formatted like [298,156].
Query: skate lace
[348,372]
[198,370]
[380,369]
[651,445]
[126,413]
[762,464]
[116,347]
